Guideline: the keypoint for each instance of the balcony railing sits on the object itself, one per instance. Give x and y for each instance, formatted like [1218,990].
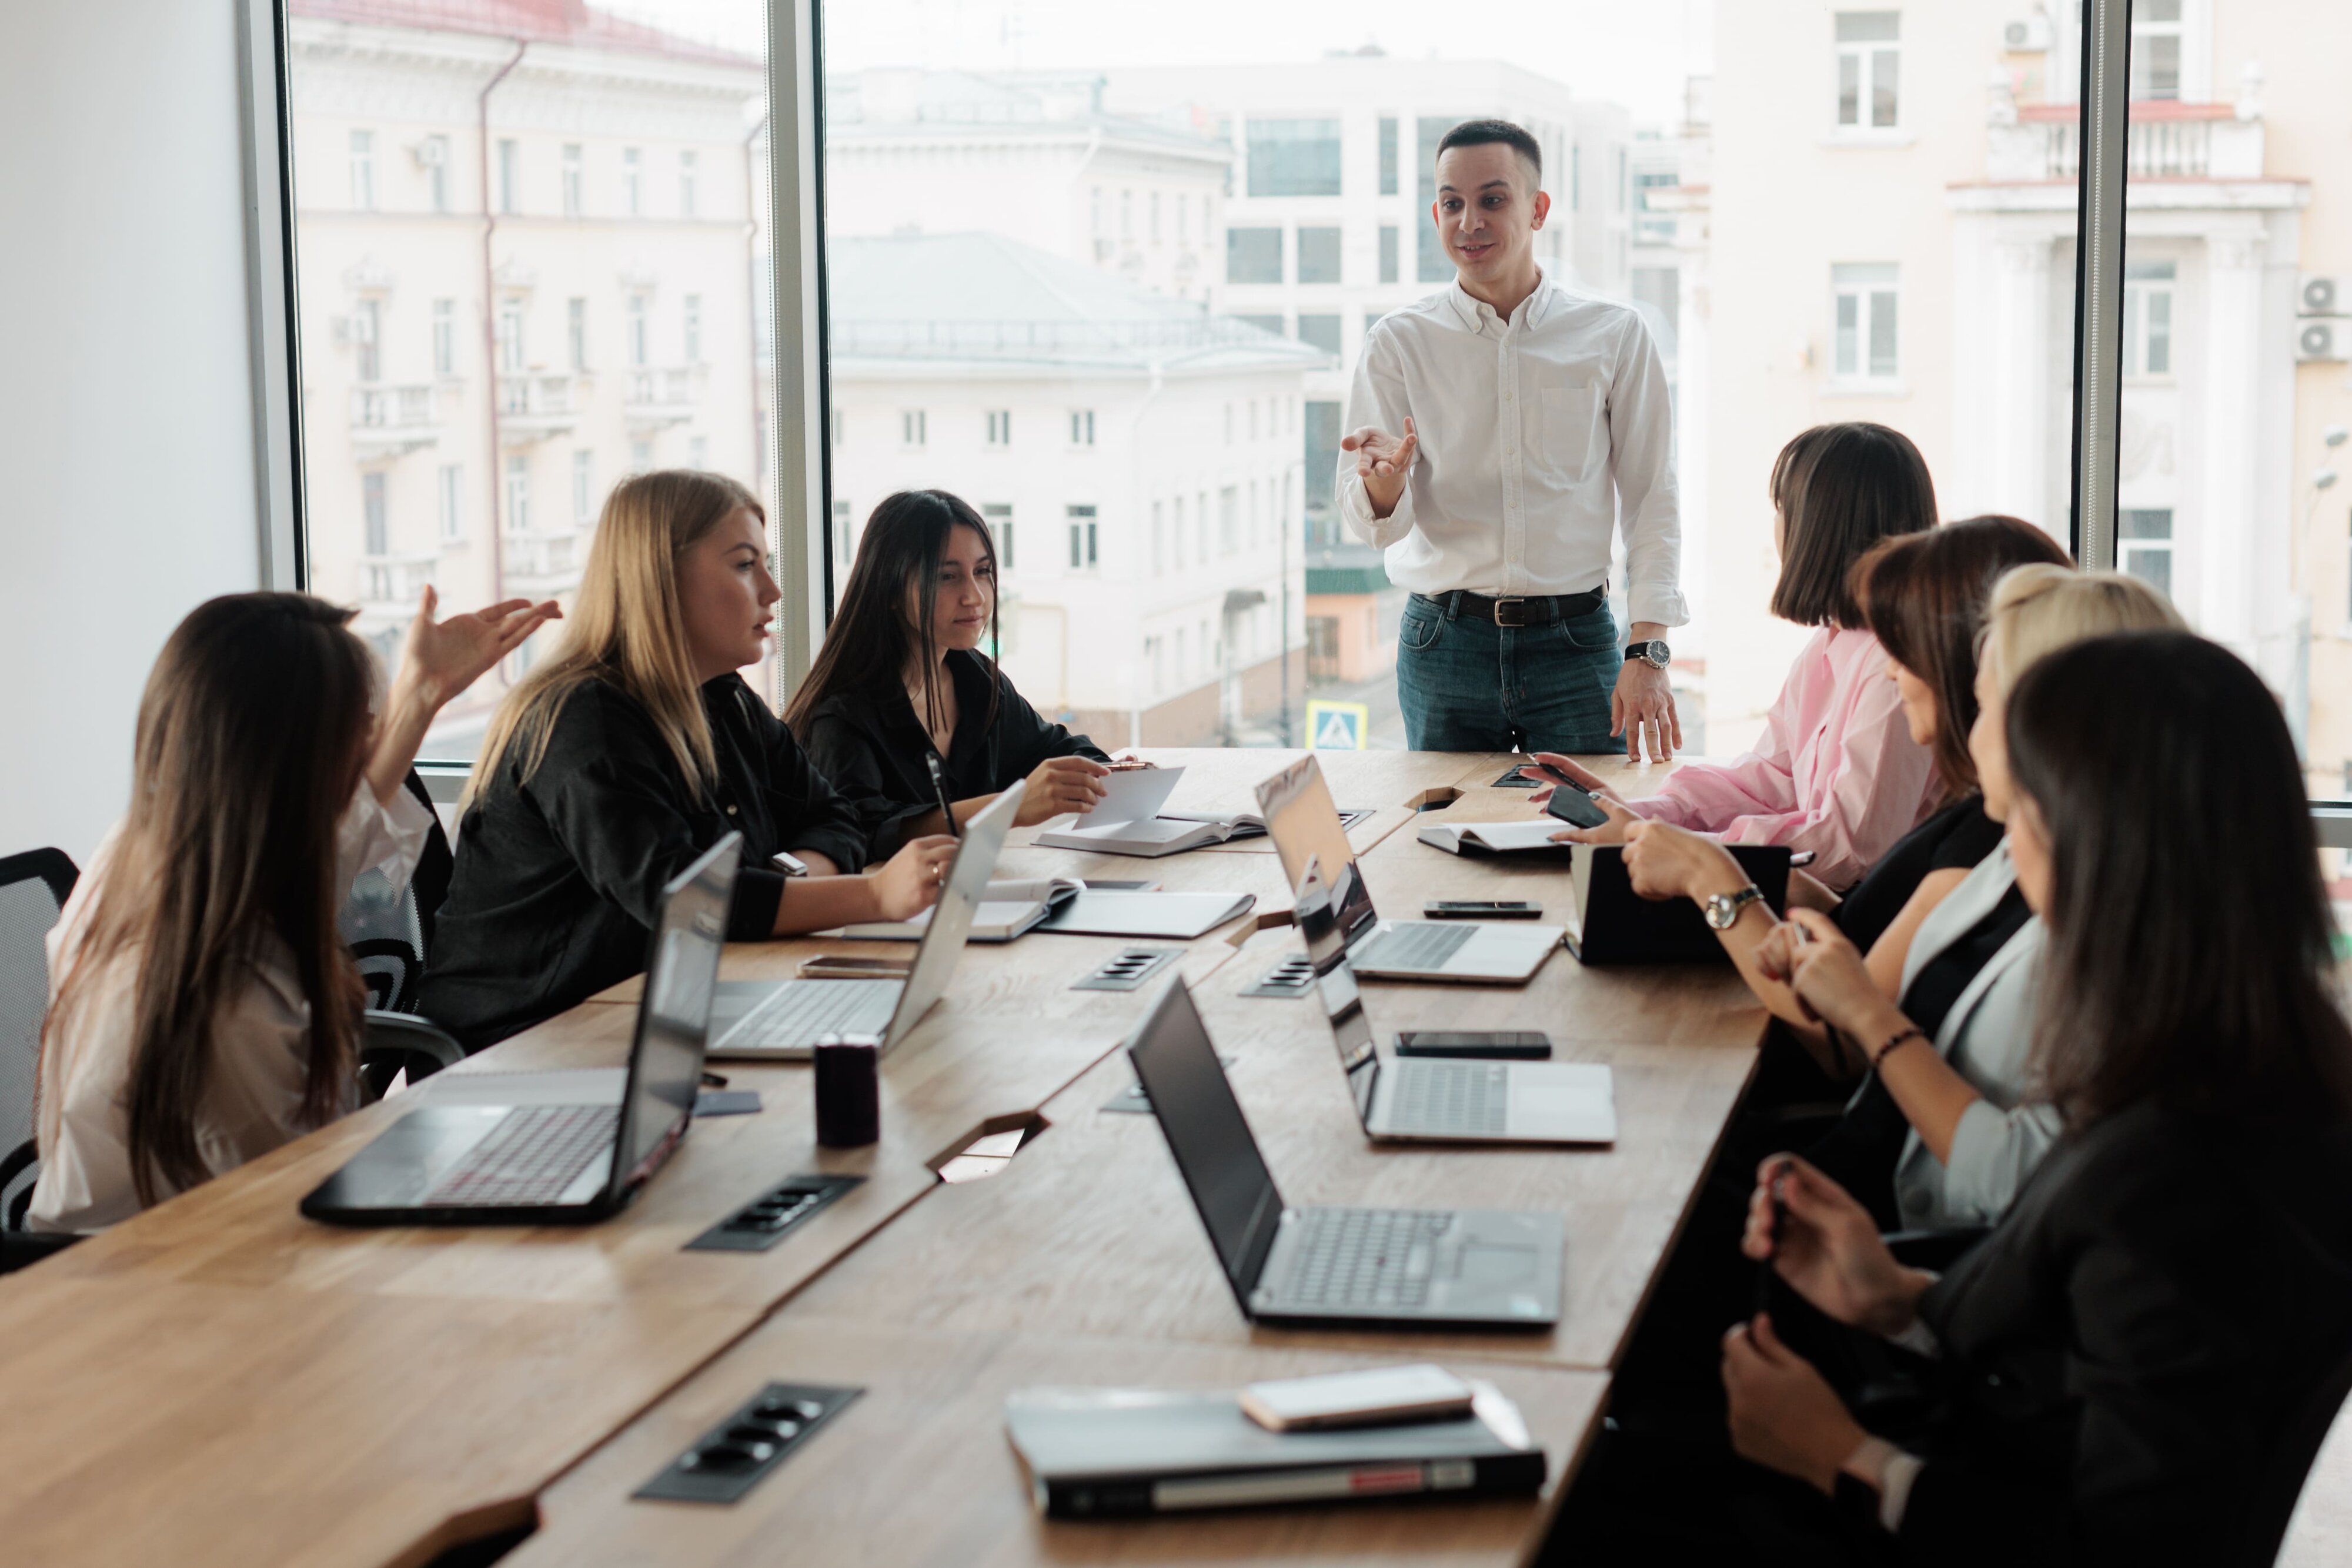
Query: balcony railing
[660,396]
[396,581]
[543,563]
[387,420]
[1041,339]
[2164,141]
[534,407]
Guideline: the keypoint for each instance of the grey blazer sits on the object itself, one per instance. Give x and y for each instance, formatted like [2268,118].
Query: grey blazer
[1985,1038]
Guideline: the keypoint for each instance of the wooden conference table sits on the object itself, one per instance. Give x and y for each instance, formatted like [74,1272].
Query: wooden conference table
[220,1380]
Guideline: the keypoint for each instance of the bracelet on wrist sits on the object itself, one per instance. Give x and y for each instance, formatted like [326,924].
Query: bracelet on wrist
[1907,1032]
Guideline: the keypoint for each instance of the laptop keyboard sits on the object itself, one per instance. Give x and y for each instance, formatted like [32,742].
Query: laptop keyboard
[1450,1099]
[530,1157]
[1364,1256]
[1424,945]
[801,1012]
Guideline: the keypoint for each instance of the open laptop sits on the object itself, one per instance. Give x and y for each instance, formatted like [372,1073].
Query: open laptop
[783,1020]
[1404,1266]
[1431,1099]
[1296,806]
[558,1149]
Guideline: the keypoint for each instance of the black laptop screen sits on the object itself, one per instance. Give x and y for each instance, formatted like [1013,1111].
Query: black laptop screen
[1335,982]
[1206,1132]
[674,1019]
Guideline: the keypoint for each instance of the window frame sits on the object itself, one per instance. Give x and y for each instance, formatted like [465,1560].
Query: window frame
[1866,55]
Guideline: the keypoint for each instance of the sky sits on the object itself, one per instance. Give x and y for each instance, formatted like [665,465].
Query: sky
[1633,52]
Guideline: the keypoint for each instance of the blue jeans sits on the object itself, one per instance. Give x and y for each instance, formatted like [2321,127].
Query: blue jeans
[1467,685]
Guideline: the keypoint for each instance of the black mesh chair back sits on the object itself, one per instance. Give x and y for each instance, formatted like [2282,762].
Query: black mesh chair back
[34,887]
[390,929]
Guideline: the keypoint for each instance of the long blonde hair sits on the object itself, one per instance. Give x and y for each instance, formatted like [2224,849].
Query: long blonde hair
[625,627]
[2037,610]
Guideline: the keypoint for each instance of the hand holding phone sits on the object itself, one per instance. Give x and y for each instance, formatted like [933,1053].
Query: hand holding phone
[1572,805]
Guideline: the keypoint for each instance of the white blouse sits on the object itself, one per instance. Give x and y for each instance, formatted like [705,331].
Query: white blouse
[253,1100]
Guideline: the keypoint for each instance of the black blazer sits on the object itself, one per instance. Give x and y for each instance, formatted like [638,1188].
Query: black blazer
[558,879]
[873,748]
[2126,1355]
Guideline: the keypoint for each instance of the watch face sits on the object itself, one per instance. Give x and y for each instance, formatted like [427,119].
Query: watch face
[1657,654]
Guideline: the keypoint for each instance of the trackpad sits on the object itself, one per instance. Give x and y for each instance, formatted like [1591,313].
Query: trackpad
[1488,1266]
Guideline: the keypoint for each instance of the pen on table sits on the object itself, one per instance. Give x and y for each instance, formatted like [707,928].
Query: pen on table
[939,789]
[713,1079]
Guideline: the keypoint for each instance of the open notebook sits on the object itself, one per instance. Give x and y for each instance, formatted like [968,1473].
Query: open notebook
[1169,833]
[1493,838]
[1006,910]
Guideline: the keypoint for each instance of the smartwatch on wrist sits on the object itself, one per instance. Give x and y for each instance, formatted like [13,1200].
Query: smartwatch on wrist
[1723,908]
[1654,653]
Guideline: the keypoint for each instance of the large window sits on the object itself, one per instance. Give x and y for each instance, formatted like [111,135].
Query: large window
[1869,70]
[1294,157]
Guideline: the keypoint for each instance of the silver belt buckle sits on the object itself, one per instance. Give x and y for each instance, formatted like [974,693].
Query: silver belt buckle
[1517,616]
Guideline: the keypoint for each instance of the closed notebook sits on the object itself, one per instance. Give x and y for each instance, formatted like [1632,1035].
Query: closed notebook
[1103,1452]
[1006,910]
[1179,917]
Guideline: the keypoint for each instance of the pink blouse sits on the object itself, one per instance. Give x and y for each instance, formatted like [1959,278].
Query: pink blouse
[1836,771]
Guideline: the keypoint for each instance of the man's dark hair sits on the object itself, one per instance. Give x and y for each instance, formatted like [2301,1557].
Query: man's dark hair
[1840,489]
[1482,133]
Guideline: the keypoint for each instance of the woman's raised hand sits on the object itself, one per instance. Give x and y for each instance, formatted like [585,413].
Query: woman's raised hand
[442,658]
[910,880]
[1827,1247]
[1061,784]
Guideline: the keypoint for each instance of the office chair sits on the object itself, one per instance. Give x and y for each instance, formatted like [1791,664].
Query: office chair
[2281,1489]
[398,1043]
[390,929]
[34,887]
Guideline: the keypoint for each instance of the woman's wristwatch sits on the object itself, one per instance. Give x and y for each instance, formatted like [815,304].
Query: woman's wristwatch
[1723,908]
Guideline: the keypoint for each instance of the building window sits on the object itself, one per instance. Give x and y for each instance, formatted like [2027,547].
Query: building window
[1155,660]
[1433,264]
[1158,538]
[1320,330]
[510,355]
[1127,214]
[1095,211]
[999,519]
[1388,253]
[641,457]
[1292,157]
[1252,256]
[518,493]
[1176,535]
[1082,427]
[1652,226]
[373,514]
[685,173]
[445,337]
[2148,318]
[2156,49]
[1183,672]
[914,427]
[2144,545]
[841,552]
[1201,522]
[693,334]
[510,175]
[640,341]
[1229,519]
[583,488]
[1000,427]
[1082,537]
[572,179]
[633,181]
[1155,217]
[1576,179]
[1869,67]
[1867,337]
[363,170]
[1183,216]
[367,336]
[453,502]
[1318,256]
[435,152]
[575,332]
[1388,156]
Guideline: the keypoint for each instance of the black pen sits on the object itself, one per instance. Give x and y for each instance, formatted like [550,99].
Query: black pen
[939,789]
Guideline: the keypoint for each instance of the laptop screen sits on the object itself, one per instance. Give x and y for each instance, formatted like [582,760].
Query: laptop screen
[952,918]
[1208,1134]
[1306,827]
[674,1015]
[1335,982]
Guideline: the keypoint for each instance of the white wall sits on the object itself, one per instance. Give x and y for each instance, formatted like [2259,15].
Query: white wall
[126,437]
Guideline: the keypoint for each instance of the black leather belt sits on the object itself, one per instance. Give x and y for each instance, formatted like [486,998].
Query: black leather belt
[1533,610]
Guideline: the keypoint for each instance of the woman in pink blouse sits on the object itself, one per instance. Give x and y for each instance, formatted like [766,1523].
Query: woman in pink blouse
[1836,771]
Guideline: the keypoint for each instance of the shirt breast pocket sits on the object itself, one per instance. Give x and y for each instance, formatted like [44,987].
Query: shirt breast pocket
[1571,418]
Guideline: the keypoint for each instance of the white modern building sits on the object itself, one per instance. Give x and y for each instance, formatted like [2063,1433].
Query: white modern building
[1137,458]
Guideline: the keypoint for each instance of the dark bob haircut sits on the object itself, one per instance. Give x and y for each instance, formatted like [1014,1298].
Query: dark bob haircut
[1923,596]
[2190,936]
[1485,132]
[1840,489]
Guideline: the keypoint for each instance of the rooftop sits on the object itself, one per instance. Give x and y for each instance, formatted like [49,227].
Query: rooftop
[905,102]
[569,22]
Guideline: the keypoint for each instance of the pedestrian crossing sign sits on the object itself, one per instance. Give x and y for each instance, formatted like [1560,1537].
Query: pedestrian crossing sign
[1338,726]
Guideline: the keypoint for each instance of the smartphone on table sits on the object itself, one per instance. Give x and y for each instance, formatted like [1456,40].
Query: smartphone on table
[1382,1396]
[1480,909]
[1507,1044]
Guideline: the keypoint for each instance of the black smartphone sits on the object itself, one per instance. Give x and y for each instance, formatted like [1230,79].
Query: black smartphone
[1517,1045]
[1480,909]
[1572,805]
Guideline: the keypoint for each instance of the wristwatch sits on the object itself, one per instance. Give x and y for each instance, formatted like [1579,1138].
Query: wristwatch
[1655,654]
[1723,908]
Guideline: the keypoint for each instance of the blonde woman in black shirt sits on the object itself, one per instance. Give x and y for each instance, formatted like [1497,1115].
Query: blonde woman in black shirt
[636,747]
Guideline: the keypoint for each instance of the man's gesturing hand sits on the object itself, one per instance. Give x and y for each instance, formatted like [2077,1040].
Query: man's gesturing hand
[1382,463]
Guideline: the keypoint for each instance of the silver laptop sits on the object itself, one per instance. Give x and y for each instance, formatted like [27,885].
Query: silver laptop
[1428,1099]
[1406,1267]
[783,1020]
[1296,806]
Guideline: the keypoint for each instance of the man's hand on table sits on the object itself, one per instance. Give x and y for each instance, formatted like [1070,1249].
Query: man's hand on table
[1644,700]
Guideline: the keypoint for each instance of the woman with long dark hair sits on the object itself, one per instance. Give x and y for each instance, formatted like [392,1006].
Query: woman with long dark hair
[2122,1367]
[203,1010]
[904,677]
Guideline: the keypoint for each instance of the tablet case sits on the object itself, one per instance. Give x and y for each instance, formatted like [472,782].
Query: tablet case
[1614,925]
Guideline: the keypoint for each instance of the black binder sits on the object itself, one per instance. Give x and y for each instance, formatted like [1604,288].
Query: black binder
[1614,925]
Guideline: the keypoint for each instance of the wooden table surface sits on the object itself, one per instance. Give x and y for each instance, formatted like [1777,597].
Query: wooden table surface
[227,1377]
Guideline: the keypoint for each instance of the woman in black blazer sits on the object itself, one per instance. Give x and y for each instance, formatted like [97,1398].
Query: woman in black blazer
[902,679]
[2127,1368]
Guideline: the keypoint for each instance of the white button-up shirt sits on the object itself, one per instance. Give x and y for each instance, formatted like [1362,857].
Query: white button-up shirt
[1538,436]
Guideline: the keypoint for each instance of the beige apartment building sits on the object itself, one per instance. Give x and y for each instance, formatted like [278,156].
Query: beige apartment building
[1877,221]
[526,269]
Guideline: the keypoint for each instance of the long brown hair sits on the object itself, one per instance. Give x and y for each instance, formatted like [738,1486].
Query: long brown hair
[626,627]
[1923,596]
[247,752]
[2190,938]
[869,644]
[1840,489]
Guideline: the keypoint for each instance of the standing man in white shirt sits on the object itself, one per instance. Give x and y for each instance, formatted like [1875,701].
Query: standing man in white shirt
[1497,432]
